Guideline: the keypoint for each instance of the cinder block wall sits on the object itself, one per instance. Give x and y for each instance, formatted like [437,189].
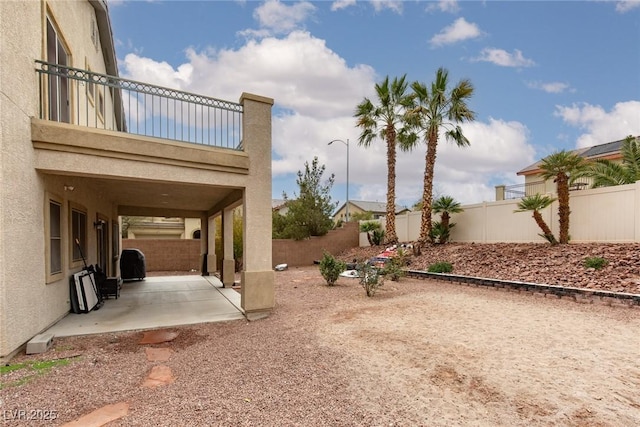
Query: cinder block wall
[304,252]
[167,254]
[184,254]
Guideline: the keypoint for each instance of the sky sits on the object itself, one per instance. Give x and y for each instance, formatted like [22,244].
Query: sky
[547,76]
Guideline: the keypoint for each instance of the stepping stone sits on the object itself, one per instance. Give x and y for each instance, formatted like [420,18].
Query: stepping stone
[158,354]
[157,337]
[158,376]
[101,416]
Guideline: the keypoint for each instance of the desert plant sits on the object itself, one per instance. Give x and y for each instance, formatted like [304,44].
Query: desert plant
[440,232]
[377,237]
[394,269]
[369,227]
[595,262]
[445,206]
[330,268]
[535,204]
[440,267]
[370,278]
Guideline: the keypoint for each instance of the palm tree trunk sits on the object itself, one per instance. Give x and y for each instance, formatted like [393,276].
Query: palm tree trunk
[427,193]
[562,182]
[391,238]
[544,227]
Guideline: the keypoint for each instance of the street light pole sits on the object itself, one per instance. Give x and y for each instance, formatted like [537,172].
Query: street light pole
[347,144]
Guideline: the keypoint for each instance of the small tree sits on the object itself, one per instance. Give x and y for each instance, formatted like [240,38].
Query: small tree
[361,216]
[370,278]
[370,227]
[310,213]
[536,204]
[563,167]
[445,206]
[330,268]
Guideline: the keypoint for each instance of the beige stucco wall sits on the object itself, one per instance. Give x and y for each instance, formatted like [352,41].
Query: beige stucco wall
[609,214]
[257,294]
[39,158]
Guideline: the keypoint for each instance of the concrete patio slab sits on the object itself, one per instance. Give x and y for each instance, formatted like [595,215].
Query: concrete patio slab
[154,303]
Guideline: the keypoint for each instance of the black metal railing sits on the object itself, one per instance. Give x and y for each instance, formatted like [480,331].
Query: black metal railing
[519,191]
[85,98]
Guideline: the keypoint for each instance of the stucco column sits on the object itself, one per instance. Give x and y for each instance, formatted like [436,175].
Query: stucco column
[500,192]
[257,294]
[212,260]
[229,263]
[204,244]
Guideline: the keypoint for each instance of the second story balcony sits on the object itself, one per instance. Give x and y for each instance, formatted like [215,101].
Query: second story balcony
[85,98]
[518,191]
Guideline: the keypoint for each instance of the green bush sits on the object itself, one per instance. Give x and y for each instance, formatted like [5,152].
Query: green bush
[394,269]
[377,237]
[330,268]
[440,267]
[595,262]
[370,278]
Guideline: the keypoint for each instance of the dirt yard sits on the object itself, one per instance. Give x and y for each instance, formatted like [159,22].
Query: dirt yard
[421,353]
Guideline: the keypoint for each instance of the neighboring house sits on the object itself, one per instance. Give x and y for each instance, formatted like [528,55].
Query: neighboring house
[81,147]
[534,184]
[280,206]
[162,228]
[378,209]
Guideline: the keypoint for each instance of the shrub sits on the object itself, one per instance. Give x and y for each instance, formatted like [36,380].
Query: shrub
[330,268]
[377,237]
[595,262]
[370,278]
[440,267]
[395,267]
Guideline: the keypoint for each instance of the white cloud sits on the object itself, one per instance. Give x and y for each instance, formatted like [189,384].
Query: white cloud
[602,126]
[504,59]
[627,5]
[281,18]
[458,31]
[450,6]
[315,94]
[342,4]
[393,5]
[551,87]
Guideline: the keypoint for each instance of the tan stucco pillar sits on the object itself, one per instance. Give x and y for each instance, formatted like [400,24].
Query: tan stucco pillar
[500,192]
[228,263]
[257,294]
[212,260]
[204,244]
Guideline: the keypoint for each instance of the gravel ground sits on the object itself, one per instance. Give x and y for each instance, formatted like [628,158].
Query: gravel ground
[417,353]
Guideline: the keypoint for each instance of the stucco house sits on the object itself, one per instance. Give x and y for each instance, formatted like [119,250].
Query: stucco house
[378,209]
[80,147]
[534,184]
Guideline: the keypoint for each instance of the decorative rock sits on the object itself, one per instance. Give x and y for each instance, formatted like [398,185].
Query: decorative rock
[158,336]
[158,376]
[101,416]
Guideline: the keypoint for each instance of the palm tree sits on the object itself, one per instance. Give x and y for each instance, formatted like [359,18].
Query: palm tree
[386,120]
[536,203]
[438,107]
[563,167]
[606,173]
[445,206]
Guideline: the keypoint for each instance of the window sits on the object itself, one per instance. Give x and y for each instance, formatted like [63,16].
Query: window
[58,83]
[78,234]
[54,252]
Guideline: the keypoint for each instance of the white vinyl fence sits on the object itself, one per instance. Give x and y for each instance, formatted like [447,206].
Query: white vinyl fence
[609,214]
